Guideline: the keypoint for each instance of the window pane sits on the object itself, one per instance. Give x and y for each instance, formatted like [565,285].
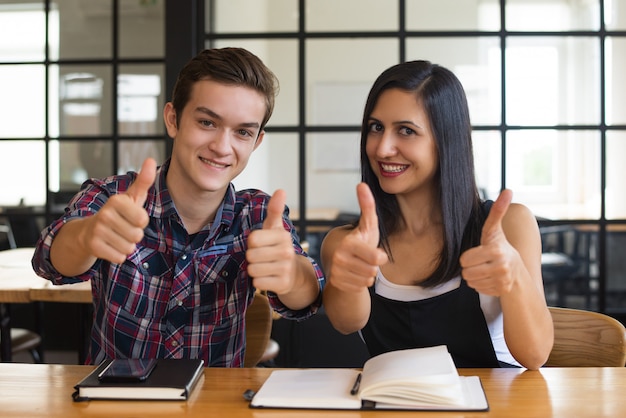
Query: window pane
[552,81]
[131,154]
[555,173]
[78,22]
[142,29]
[336,93]
[468,15]
[553,15]
[615,175]
[22,173]
[281,56]
[615,80]
[253,16]
[140,99]
[333,15]
[333,171]
[569,265]
[614,14]
[274,165]
[476,62]
[616,267]
[488,162]
[22,20]
[80,101]
[23,101]
[73,162]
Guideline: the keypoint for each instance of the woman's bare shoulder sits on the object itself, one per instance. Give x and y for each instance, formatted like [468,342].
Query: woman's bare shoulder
[334,236]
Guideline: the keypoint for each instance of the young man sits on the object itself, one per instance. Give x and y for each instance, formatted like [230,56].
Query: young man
[175,254]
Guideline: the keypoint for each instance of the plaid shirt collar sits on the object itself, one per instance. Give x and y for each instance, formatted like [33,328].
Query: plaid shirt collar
[161,205]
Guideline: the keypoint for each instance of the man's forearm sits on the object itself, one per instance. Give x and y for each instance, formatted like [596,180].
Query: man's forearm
[68,254]
[307,291]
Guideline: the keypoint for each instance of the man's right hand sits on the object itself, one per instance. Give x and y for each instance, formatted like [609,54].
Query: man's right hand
[113,232]
[357,257]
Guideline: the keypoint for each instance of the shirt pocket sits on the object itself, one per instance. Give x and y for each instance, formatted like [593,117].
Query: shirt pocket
[143,285]
[222,285]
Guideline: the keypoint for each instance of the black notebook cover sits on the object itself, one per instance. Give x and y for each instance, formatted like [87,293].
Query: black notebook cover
[171,379]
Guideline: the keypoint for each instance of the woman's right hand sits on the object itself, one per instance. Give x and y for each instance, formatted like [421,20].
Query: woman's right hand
[357,257]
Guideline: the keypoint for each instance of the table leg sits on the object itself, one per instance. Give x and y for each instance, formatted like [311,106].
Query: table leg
[84,331]
[39,315]
[5,333]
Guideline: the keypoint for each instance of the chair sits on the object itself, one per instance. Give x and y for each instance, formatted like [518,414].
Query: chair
[586,339]
[569,265]
[21,339]
[260,347]
[26,340]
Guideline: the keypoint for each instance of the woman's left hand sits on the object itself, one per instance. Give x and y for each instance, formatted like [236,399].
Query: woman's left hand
[491,268]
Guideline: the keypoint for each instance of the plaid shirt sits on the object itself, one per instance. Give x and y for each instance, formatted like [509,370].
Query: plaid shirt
[176,296]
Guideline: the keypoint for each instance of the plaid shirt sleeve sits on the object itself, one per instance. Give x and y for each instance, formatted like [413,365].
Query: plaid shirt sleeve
[93,195]
[257,213]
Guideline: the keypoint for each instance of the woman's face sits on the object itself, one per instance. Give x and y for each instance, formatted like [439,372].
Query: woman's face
[400,144]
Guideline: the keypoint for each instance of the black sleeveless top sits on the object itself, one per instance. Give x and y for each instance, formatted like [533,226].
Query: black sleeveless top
[454,319]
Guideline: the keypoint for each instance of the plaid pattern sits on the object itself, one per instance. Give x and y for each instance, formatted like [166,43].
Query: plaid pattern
[176,296]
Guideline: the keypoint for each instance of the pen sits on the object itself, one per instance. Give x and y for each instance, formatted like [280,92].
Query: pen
[355,387]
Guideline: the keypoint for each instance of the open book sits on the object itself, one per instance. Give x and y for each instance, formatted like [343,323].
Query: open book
[419,378]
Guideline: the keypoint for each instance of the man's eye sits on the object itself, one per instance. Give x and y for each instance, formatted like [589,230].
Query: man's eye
[206,123]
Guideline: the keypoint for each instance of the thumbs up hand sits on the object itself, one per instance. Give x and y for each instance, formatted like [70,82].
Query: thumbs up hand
[271,256]
[490,268]
[113,232]
[356,258]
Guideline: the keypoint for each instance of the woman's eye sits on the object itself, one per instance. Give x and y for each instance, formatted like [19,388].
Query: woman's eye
[406,131]
[375,127]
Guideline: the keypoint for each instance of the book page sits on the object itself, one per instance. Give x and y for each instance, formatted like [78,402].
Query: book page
[475,399]
[308,388]
[413,376]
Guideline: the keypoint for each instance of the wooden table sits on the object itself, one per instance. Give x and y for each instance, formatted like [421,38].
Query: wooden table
[20,284]
[37,390]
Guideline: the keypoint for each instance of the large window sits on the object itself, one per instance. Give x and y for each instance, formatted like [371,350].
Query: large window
[542,79]
[82,85]
[84,82]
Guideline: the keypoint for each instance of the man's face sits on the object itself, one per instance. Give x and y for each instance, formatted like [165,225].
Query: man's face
[219,128]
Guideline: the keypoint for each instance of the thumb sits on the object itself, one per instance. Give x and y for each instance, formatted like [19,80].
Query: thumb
[275,209]
[368,222]
[493,223]
[138,191]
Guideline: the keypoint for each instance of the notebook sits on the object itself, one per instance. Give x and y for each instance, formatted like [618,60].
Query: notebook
[171,379]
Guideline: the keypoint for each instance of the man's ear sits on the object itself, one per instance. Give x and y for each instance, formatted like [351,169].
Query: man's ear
[169,117]
[259,139]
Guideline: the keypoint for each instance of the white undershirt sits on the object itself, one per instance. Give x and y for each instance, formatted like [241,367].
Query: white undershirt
[490,306]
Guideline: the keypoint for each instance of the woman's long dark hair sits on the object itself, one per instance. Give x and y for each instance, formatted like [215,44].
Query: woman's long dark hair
[445,104]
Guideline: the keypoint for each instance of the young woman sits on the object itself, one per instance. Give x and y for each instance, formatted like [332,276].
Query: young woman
[429,262]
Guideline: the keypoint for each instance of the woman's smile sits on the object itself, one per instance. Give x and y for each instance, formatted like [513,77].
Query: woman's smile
[390,169]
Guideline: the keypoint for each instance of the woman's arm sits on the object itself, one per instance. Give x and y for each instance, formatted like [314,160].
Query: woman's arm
[351,258]
[507,264]
[346,301]
[528,328]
